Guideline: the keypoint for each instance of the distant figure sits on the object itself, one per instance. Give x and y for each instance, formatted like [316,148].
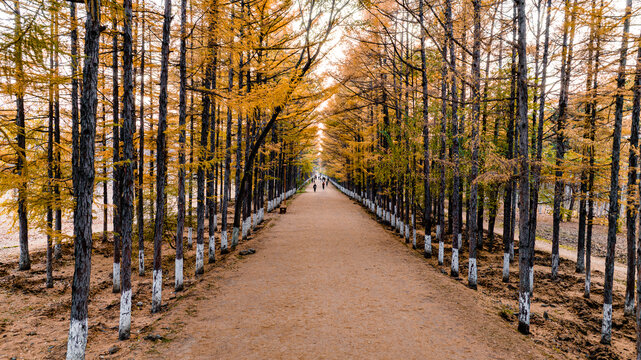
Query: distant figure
[323,185]
[314,187]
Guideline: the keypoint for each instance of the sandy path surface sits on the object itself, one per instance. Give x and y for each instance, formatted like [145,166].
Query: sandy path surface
[327,281]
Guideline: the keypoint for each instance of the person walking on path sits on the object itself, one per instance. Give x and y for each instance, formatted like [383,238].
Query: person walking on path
[314,187]
[323,185]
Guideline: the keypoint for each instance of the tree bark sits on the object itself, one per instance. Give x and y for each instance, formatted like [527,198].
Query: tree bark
[83,179]
[156,297]
[127,173]
[613,211]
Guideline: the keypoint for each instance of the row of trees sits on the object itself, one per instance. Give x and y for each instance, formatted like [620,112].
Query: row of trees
[470,104]
[230,109]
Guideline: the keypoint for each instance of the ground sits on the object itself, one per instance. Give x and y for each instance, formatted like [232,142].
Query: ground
[327,281]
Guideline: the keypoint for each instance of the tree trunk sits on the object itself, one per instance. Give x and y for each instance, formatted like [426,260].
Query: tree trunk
[156,292]
[182,115]
[525,256]
[141,157]
[83,179]
[115,100]
[127,173]
[24,263]
[476,109]
[613,211]
[427,200]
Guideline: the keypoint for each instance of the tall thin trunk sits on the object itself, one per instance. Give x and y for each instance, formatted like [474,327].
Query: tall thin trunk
[508,208]
[591,154]
[83,179]
[116,158]
[636,112]
[24,263]
[427,200]
[559,185]
[476,110]
[632,209]
[456,225]
[141,156]
[440,227]
[613,211]
[156,292]
[525,256]
[536,166]
[182,115]
[127,172]
[50,165]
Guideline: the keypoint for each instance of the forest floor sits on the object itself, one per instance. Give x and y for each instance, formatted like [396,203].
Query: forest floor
[327,281]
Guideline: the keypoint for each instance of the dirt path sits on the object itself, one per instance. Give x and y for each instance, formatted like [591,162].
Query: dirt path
[328,282]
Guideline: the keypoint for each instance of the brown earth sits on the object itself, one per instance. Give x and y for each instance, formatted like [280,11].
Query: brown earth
[327,281]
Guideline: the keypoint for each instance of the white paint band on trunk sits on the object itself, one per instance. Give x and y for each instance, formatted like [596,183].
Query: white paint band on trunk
[428,244]
[606,325]
[531,279]
[441,252]
[524,308]
[506,265]
[190,240]
[223,240]
[234,236]
[179,272]
[125,314]
[414,237]
[512,251]
[141,261]
[438,232]
[455,261]
[460,240]
[212,247]
[472,273]
[200,254]
[215,221]
[116,276]
[156,290]
[587,282]
[555,263]
[77,341]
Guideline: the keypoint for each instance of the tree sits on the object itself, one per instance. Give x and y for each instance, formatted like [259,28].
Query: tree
[613,211]
[83,179]
[156,297]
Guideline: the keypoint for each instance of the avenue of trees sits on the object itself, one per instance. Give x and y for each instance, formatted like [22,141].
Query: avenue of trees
[165,120]
[449,112]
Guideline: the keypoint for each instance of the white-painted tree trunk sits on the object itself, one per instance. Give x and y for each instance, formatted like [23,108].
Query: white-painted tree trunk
[141,262]
[472,276]
[179,274]
[156,291]
[200,255]
[234,237]
[524,306]
[506,267]
[190,240]
[555,265]
[454,268]
[428,245]
[223,242]
[116,277]
[77,340]
[441,252]
[124,327]
[212,249]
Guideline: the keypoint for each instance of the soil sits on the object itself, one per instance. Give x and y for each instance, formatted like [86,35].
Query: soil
[326,281]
